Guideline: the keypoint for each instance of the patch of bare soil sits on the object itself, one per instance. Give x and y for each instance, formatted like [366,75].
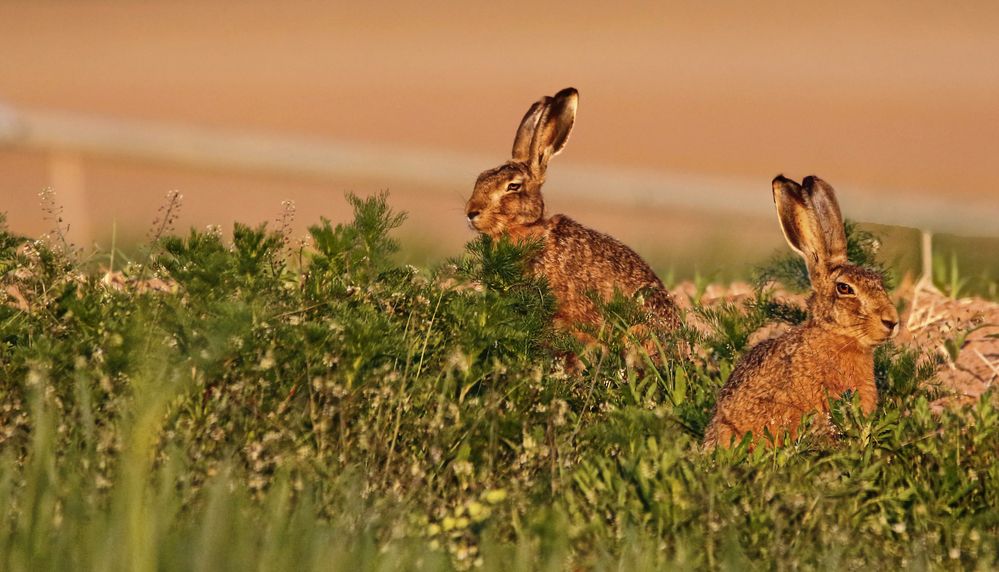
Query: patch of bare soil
[964,332]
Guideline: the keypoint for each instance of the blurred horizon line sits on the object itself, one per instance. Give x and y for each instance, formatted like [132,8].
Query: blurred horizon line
[62,133]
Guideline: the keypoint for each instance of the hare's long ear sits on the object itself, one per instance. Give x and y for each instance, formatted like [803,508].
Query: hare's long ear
[826,207]
[528,126]
[800,225]
[554,128]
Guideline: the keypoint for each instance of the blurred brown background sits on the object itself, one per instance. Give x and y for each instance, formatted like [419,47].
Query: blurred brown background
[895,103]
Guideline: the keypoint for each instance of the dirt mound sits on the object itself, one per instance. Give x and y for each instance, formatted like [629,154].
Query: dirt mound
[964,332]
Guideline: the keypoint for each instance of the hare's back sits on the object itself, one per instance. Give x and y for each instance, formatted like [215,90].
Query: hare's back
[755,394]
[576,254]
[762,372]
[779,378]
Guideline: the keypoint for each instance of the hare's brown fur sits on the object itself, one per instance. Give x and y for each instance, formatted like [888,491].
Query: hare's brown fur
[782,380]
[578,263]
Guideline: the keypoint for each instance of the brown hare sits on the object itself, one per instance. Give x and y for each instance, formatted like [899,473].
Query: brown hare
[577,262]
[782,380]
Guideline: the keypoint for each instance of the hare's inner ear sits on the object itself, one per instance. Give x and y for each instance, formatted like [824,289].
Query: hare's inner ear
[826,207]
[554,127]
[528,127]
[800,225]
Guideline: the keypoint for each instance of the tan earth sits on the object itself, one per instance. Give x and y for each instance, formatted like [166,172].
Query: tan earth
[970,326]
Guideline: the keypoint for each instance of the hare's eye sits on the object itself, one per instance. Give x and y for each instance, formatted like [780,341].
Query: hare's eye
[513,187]
[844,289]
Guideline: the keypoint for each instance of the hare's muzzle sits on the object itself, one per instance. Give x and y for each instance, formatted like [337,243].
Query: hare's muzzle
[473,215]
[890,322]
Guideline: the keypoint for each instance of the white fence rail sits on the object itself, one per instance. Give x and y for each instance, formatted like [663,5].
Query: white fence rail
[66,137]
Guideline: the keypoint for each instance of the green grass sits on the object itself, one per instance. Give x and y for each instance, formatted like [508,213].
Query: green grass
[331,409]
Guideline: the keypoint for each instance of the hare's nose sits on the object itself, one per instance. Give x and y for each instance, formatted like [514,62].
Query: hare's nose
[472,215]
[890,324]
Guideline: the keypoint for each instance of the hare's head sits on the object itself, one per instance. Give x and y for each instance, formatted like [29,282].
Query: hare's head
[509,196]
[845,297]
